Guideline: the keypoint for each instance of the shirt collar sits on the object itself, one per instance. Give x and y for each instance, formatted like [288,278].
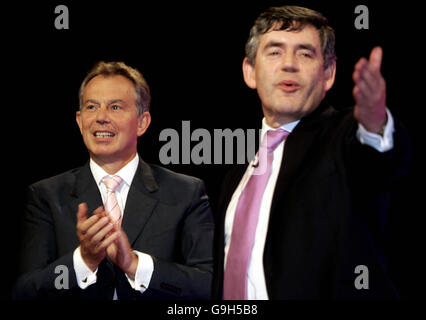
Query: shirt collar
[288,127]
[126,173]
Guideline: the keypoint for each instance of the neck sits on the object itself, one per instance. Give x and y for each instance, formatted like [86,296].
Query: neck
[276,122]
[112,166]
[278,119]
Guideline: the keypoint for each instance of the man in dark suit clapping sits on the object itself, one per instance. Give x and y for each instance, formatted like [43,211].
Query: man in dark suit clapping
[122,228]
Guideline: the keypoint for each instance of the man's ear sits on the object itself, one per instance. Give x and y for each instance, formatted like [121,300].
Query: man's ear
[330,75]
[78,120]
[249,74]
[144,120]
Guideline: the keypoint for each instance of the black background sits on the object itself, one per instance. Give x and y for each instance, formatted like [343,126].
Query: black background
[191,55]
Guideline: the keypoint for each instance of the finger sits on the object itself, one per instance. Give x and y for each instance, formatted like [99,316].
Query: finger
[359,96]
[107,241]
[376,56]
[372,76]
[117,227]
[96,216]
[95,235]
[84,227]
[100,235]
[100,212]
[82,219]
[82,212]
[361,63]
[366,90]
[370,82]
[369,75]
[96,227]
[359,67]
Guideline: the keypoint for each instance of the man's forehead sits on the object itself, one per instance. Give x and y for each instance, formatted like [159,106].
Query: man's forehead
[109,84]
[113,80]
[304,33]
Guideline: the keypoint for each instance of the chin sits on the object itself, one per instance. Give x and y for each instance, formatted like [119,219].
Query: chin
[288,109]
[102,153]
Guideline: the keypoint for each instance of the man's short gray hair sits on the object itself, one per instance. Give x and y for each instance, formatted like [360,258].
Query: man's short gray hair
[292,18]
[143,95]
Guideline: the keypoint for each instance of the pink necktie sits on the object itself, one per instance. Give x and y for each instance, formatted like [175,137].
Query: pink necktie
[245,220]
[111,203]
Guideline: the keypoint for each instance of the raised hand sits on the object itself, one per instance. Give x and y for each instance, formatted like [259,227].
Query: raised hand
[121,254]
[119,251]
[370,92]
[94,234]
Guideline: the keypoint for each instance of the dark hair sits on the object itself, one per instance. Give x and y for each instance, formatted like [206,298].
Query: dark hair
[291,18]
[143,96]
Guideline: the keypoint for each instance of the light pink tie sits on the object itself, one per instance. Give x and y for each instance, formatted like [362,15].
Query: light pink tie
[246,217]
[111,203]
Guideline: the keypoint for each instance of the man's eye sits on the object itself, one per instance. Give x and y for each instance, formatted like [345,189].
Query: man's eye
[306,54]
[274,53]
[115,107]
[90,107]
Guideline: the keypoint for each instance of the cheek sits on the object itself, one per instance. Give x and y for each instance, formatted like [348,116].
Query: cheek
[85,124]
[264,82]
[315,82]
[128,127]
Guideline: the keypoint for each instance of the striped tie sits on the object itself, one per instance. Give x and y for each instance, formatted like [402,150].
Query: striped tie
[111,203]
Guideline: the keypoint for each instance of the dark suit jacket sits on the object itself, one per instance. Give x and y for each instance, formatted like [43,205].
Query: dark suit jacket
[167,215]
[327,214]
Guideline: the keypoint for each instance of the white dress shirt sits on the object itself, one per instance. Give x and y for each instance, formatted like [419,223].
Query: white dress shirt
[145,268]
[256,285]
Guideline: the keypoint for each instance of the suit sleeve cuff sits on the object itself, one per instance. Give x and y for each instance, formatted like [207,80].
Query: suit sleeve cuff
[144,272]
[85,276]
[380,143]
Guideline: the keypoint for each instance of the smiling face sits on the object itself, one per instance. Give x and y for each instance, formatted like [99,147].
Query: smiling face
[289,74]
[108,120]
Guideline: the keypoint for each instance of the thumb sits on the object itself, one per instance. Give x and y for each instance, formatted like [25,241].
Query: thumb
[376,58]
[82,212]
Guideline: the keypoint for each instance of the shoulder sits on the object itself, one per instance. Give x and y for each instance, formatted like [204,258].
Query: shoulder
[329,121]
[336,117]
[172,179]
[60,182]
[172,188]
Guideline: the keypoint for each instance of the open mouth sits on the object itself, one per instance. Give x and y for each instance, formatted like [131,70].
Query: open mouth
[289,85]
[103,134]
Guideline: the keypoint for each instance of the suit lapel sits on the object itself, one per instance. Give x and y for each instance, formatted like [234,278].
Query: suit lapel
[296,150]
[85,190]
[140,202]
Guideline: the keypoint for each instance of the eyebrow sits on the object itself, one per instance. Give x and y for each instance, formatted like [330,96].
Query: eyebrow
[108,102]
[307,46]
[301,46]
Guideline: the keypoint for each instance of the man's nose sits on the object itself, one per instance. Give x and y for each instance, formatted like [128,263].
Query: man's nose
[289,62]
[102,115]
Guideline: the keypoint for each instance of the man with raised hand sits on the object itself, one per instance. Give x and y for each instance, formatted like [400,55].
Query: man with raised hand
[307,216]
